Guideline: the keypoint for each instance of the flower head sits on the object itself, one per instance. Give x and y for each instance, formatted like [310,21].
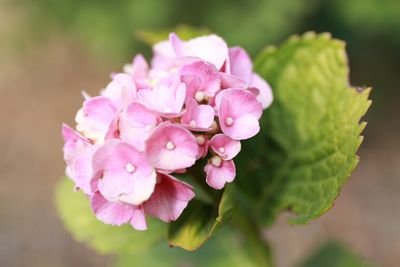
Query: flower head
[198,99]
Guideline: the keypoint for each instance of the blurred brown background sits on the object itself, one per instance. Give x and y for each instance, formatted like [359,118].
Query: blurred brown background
[52,50]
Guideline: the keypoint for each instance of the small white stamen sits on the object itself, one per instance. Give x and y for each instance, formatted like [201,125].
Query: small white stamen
[229,121]
[216,161]
[222,149]
[199,96]
[200,140]
[192,123]
[130,168]
[170,145]
[167,110]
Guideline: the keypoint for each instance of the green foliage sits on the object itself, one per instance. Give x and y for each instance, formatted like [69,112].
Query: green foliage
[310,135]
[335,255]
[200,221]
[74,210]
[185,32]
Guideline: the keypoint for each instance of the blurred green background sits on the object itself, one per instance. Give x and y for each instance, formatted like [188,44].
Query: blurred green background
[50,50]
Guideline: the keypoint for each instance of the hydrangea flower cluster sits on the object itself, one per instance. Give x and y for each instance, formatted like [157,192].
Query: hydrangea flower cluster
[199,99]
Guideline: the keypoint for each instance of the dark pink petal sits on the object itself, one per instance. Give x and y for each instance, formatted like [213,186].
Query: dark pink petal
[113,213]
[240,64]
[224,146]
[171,147]
[124,173]
[239,112]
[136,124]
[219,172]
[169,199]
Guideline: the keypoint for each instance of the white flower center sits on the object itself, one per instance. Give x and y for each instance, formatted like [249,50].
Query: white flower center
[199,96]
[192,123]
[222,149]
[170,145]
[167,110]
[147,127]
[216,161]
[229,121]
[200,140]
[130,168]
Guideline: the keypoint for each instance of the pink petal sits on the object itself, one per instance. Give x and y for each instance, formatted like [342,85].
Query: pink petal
[121,90]
[239,112]
[95,117]
[170,198]
[264,95]
[210,48]
[140,68]
[138,220]
[230,81]
[224,146]
[203,143]
[218,176]
[136,124]
[78,154]
[125,173]
[200,77]
[113,213]
[198,117]
[171,147]
[240,64]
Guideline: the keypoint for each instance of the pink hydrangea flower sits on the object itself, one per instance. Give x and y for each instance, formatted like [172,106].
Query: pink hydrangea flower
[198,99]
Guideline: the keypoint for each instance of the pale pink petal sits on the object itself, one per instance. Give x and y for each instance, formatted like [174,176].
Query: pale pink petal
[78,154]
[171,147]
[136,124]
[210,48]
[239,112]
[264,95]
[95,118]
[219,172]
[169,199]
[121,90]
[230,81]
[113,213]
[139,219]
[224,146]
[240,64]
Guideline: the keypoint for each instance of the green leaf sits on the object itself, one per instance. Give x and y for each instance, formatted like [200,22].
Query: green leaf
[335,255]
[183,31]
[74,210]
[199,222]
[310,134]
[218,252]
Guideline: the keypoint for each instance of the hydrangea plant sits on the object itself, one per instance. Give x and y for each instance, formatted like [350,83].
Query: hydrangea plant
[202,138]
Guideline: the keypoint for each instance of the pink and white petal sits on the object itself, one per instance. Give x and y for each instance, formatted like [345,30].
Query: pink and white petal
[210,48]
[224,146]
[264,96]
[138,220]
[140,68]
[169,199]
[230,81]
[143,187]
[121,89]
[218,176]
[203,116]
[113,213]
[242,128]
